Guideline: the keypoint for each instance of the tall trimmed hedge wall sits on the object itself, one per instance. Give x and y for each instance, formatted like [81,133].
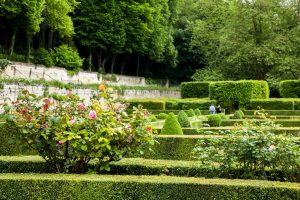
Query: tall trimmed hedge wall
[290,89]
[85,187]
[194,89]
[234,94]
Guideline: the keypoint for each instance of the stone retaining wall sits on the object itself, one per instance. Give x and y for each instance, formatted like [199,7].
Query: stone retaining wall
[37,72]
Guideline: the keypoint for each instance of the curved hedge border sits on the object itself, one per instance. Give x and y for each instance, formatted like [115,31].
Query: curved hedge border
[63,186]
[289,89]
[194,89]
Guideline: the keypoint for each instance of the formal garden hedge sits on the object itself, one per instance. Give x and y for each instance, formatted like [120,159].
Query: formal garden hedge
[58,186]
[290,89]
[148,104]
[186,104]
[237,94]
[275,104]
[194,89]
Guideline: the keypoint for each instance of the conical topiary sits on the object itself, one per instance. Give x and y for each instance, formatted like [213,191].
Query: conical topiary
[190,113]
[183,119]
[197,112]
[171,126]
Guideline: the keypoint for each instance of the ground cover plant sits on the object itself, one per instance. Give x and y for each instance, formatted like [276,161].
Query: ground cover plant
[68,133]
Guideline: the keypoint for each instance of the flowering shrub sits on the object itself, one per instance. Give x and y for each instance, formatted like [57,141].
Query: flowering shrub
[68,134]
[251,148]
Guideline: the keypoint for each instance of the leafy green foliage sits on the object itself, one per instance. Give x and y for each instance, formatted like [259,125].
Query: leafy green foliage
[214,120]
[171,126]
[194,89]
[185,104]
[183,119]
[290,89]
[238,114]
[234,94]
[67,57]
[207,75]
[3,64]
[43,57]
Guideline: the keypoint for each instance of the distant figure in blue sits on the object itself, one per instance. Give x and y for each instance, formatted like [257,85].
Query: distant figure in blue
[212,109]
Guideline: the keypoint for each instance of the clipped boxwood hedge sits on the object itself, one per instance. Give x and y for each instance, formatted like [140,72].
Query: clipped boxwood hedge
[186,104]
[272,104]
[63,186]
[276,112]
[290,89]
[148,104]
[194,89]
[235,94]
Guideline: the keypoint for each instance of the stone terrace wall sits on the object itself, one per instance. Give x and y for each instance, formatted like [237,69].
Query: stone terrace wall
[36,72]
[11,91]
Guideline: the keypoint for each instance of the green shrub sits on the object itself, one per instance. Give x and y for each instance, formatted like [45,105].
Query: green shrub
[190,113]
[3,64]
[238,114]
[290,89]
[272,104]
[222,115]
[43,57]
[63,186]
[214,120]
[67,57]
[147,104]
[162,116]
[183,119]
[185,104]
[197,112]
[153,118]
[194,89]
[171,126]
[252,147]
[234,94]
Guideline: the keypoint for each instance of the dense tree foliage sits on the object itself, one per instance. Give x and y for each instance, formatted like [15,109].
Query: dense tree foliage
[203,39]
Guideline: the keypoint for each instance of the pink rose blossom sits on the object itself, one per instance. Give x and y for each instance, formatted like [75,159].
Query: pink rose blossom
[46,126]
[60,142]
[272,148]
[93,114]
[72,121]
[81,106]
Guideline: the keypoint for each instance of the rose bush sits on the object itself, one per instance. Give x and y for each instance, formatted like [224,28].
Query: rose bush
[253,149]
[68,134]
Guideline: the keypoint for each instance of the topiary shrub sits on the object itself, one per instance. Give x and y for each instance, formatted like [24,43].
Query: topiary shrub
[222,115]
[162,116]
[183,119]
[197,112]
[238,114]
[194,89]
[67,57]
[152,118]
[190,113]
[171,126]
[214,120]
[234,94]
[289,89]
[43,57]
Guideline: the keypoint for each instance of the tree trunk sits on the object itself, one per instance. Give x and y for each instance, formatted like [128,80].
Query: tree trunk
[123,63]
[13,37]
[148,66]
[28,44]
[138,65]
[90,59]
[112,64]
[101,60]
[50,39]
[42,36]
